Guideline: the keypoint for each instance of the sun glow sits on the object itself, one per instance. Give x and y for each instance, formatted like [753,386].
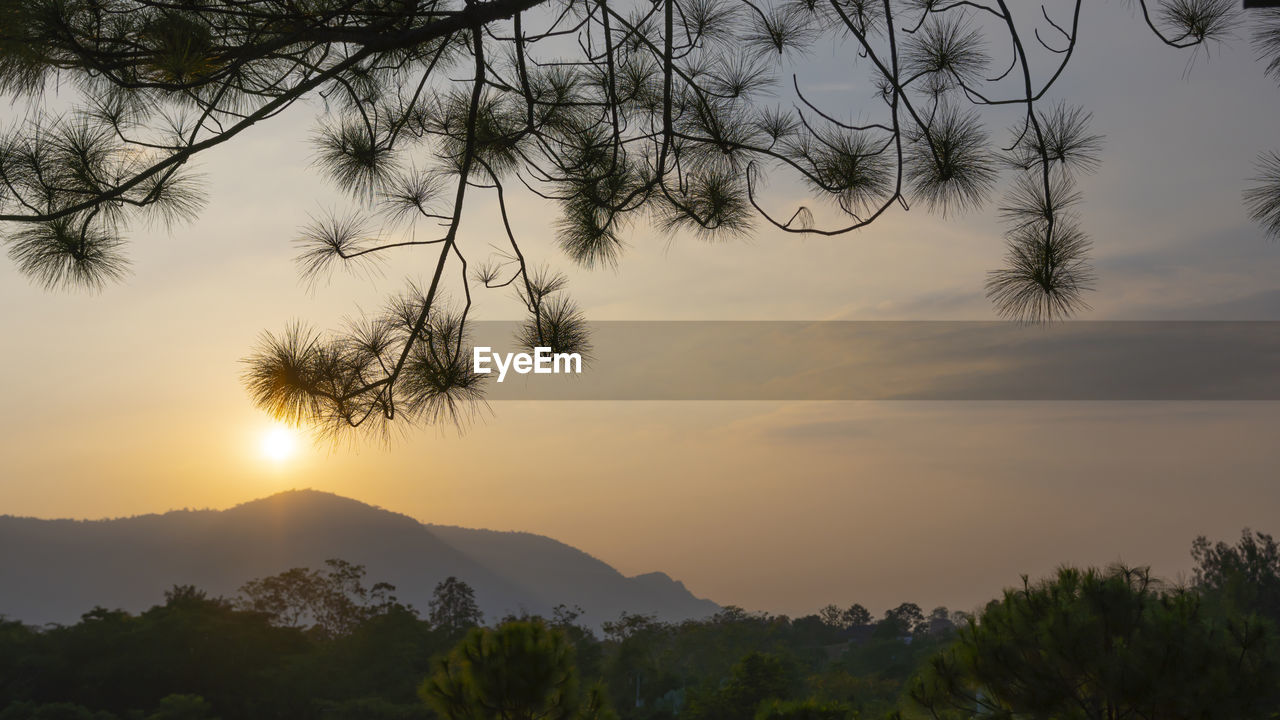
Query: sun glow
[279,443]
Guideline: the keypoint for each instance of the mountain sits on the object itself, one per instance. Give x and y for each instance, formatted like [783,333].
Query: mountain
[55,570]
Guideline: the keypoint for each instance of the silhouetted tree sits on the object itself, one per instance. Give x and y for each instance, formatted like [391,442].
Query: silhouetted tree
[1101,646]
[564,615]
[332,601]
[939,622]
[833,616]
[616,112]
[629,624]
[906,619]
[287,598]
[1246,574]
[1263,199]
[857,616]
[186,595]
[521,671]
[453,606]
[1114,638]
[635,670]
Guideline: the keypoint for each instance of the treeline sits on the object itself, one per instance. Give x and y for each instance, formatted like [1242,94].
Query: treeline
[1095,644]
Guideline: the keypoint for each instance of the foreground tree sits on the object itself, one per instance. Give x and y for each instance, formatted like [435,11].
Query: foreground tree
[1103,646]
[615,111]
[523,670]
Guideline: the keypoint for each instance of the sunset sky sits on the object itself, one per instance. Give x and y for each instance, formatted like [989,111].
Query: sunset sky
[129,401]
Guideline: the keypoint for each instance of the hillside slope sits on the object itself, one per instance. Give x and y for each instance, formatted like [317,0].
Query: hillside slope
[54,570]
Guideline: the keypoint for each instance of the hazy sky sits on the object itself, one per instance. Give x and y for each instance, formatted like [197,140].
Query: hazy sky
[129,401]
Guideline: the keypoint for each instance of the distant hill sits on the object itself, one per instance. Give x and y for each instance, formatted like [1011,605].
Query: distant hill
[55,570]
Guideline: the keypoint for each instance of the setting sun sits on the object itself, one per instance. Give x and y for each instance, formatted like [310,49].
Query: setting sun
[279,443]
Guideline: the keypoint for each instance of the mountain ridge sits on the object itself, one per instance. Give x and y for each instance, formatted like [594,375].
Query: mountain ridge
[53,570]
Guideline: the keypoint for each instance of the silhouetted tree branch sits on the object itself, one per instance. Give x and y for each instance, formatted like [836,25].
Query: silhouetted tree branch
[616,112]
